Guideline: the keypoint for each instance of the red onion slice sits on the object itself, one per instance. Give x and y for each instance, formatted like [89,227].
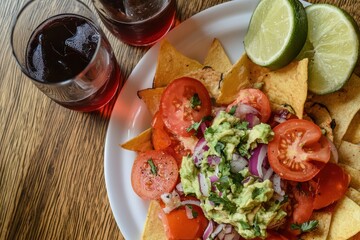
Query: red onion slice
[243,109]
[191,202]
[276,180]
[189,212]
[209,229]
[217,230]
[199,150]
[213,160]
[238,163]
[204,188]
[257,159]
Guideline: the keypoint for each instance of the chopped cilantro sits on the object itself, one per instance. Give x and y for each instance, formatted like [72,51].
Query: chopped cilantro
[219,147]
[306,226]
[195,101]
[244,225]
[152,166]
[227,204]
[223,183]
[195,126]
[233,110]
[237,178]
[257,191]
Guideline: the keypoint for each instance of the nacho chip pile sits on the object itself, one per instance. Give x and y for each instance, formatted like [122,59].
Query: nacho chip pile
[338,114]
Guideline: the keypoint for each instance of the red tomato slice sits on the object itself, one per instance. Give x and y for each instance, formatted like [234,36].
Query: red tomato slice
[184,102]
[179,226]
[298,151]
[304,197]
[153,173]
[332,182]
[256,99]
[160,138]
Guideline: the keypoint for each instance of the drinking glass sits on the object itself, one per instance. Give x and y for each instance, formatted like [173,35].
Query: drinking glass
[137,22]
[61,48]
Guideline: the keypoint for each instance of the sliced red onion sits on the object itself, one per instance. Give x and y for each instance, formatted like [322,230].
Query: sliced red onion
[238,163]
[228,228]
[232,236]
[217,230]
[204,188]
[189,212]
[276,180]
[257,159]
[213,160]
[247,179]
[268,173]
[252,119]
[213,178]
[190,202]
[242,110]
[209,229]
[333,150]
[199,150]
[279,119]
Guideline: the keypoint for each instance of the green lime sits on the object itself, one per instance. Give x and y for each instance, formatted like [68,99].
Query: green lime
[276,33]
[332,47]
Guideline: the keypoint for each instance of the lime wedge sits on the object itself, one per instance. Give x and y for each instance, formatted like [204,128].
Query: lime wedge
[332,47]
[276,33]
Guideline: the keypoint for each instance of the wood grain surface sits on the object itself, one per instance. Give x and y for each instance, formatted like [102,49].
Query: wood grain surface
[51,158]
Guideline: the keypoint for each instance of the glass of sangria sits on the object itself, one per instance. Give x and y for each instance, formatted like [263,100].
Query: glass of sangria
[137,22]
[61,48]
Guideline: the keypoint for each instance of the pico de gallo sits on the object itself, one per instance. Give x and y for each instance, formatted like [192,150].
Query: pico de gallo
[240,171]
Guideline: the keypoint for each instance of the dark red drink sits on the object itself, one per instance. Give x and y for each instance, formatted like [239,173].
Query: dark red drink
[71,59]
[137,22]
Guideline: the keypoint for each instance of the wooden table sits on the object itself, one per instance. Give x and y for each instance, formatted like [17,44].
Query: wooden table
[51,158]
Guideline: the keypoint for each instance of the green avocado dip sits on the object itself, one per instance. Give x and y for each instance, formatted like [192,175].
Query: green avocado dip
[228,196]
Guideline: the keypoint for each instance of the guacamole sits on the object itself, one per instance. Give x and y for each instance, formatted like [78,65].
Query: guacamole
[237,198]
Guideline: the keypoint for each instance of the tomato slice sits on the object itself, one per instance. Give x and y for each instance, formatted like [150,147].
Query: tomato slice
[299,150]
[256,99]
[184,102]
[164,140]
[160,138]
[153,173]
[304,197]
[332,182]
[178,226]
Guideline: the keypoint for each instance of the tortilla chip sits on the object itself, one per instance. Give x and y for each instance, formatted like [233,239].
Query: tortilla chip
[288,86]
[353,132]
[354,174]
[140,143]
[354,195]
[322,230]
[210,78]
[217,58]
[342,105]
[321,116]
[172,64]
[345,222]
[349,154]
[237,78]
[153,229]
[151,97]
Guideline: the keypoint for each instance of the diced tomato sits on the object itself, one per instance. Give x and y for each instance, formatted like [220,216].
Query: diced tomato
[256,99]
[332,182]
[299,150]
[154,173]
[179,226]
[184,102]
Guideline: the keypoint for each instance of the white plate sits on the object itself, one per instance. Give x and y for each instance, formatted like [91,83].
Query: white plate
[228,22]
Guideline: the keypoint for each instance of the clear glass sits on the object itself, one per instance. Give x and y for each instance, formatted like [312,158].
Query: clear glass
[95,83]
[137,22]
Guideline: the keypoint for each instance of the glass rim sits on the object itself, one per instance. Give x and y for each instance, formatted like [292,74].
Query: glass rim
[24,69]
[131,22]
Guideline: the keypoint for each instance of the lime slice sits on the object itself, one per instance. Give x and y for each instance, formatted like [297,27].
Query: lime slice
[332,47]
[276,33]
